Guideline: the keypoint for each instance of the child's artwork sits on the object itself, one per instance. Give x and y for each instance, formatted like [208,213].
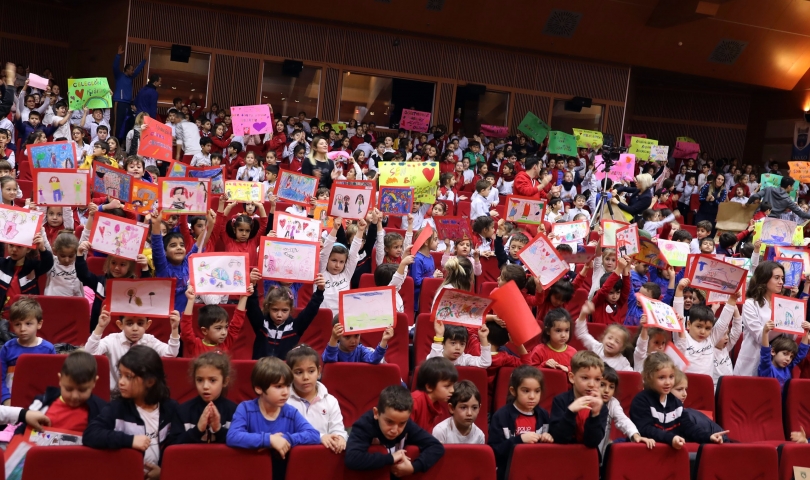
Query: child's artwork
[609,228]
[54,155]
[113,182]
[219,273]
[422,176]
[543,260]
[212,173]
[185,196]
[721,298]
[800,253]
[627,241]
[319,212]
[711,274]
[18,447]
[252,120]
[287,260]
[61,188]
[18,226]
[453,228]
[788,313]
[396,200]
[570,231]
[369,185]
[145,297]
[240,191]
[296,228]
[117,236]
[623,169]
[89,93]
[677,357]
[156,140]
[525,210]
[745,263]
[793,271]
[414,120]
[649,253]
[349,202]
[457,307]
[367,309]
[144,197]
[773,180]
[659,314]
[177,169]
[675,253]
[295,187]
[776,231]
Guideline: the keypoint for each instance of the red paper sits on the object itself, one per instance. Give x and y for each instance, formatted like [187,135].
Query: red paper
[511,307]
[156,140]
[423,237]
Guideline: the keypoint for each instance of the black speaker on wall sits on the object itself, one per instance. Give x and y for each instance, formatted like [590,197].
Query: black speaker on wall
[292,68]
[180,53]
[474,89]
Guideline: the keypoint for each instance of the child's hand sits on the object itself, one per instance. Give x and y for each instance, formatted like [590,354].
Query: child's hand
[407,260]
[546,438]
[174,320]
[551,363]
[142,260]
[438,328]
[493,213]
[202,423]
[580,403]
[272,234]
[39,243]
[642,320]
[718,437]
[402,469]
[798,437]
[447,243]
[596,405]
[255,275]
[334,442]
[587,309]
[530,437]
[483,332]
[361,224]
[768,327]
[114,203]
[190,293]
[154,470]
[141,442]
[84,247]
[683,283]
[250,290]
[388,334]
[103,319]
[732,298]
[36,420]
[678,442]
[320,282]
[410,220]
[212,216]
[337,331]
[280,444]
[647,441]
[438,274]
[671,271]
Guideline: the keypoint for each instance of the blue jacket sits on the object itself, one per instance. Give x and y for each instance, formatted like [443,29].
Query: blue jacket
[767,369]
[123,82]
[9,355]
[164,269]
[249,428]
[147,99]
[361,354]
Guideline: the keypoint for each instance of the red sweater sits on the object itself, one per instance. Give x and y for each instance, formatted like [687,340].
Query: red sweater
[600,302]
[220,144]
[526,186]
[277,144]
[193,346]
[425,413]
[230,245]
[542,353]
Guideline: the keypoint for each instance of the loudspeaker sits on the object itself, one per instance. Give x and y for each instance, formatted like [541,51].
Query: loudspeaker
[474,89]
[572,106]
[292,68]
[180,53]
[582,101]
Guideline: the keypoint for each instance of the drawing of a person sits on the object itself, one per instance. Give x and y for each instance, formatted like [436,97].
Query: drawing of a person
[359,201]
[346,200]
[179,198]
[56,188]
[202,198]
[54,161]
[513,211]
[78,187]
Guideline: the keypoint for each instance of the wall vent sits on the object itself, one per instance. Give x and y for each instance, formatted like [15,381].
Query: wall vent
[562,23]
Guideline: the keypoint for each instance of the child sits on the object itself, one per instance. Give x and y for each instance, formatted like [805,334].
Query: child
[20,273]
[555,210]
[423,266]
[434,387]
[650,340]
[460,428]
[498,337]
[614,340]
[347,348]
[311,399]
[610,301]
[578,416]
[704,228]
[218,334]
[698,418]
[450,342]
[337,264]
[388,424]
[484,229]
[143,406]
[777,358]
[251,171]
[607,388]
[578,209]
[480,206]
[203,159]
[462,250]
[521,420]
[242,231]
[569,191]
[605,261]
[25,319]
[393,244]
[723,348]
[553,350]
[267,421]
[516,244]
[507,179]
[62,280]
[206,417]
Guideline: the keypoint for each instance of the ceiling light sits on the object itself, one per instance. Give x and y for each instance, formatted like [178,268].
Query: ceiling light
[296,101]
[174,88]
[283,98]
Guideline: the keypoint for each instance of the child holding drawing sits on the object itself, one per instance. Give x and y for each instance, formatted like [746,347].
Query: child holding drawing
[337,263]
[242,231]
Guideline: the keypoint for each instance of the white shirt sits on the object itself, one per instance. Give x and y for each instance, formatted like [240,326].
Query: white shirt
[188,137]
[446,432]
[323,413]
[479,206]
[116,345]
[62,281]
[619,363]
[701,354]
[201,160]
[63,131]
[250,174]
[623,423]
[754,318]
[722,358]
[465,360]
[151,424]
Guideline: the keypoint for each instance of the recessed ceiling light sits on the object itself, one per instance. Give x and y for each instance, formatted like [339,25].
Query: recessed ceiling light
[174,88]
[283,98]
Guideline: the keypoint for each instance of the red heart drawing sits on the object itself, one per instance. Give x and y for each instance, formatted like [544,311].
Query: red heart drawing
[80,93]
[281,222]
[428,173]
[101,230]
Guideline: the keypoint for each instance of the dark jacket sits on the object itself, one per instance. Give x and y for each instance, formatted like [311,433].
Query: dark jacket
[502,436]
[43,402]
[184,425]
[123,82]
[638,202]
[30,271]
[146,101]
[668,421]
[564,423]
[276,340]
[704,423]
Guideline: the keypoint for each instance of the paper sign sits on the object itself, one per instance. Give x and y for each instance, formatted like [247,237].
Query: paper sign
[793,271]
[623,169]
[627,242]
[773,180]
[149,297]
[628,138]
[720,298]
[800,253]
[423,237]
[422,176]
[686,150]
[674,252]
[295,187]
[686,139]
[609,228]
[715,275]
[319,212]
[649,253]
[511,307]
[296,228]
[367,309]
[61,188]
[369,185]
[291,261]
[414,120]
[396,200]
[19,226]
[495,131]
[659,314]
[543,260]
[54,155]
[336,126]
[89,92]
[801,473]
[144,197]
[117,236]
[19,446]
[457,307]
[677,357]
[734,217]
[788,314]
[219,273]
[534,127]
[588,138]
[35,81]
[349,202]
[240,191]
[184,196]
[180,170]
[659,153]
[252,120]
[775,231]
[570,231]
[113,182]
[525,210]
[800,171]
[453,228]
[640,147]
[562,144]
[156,140]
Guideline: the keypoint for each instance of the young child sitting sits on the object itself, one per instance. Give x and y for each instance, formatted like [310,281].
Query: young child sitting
[516,244]
[25,319]
[219,333]
[479,206]
[699,419]
[347,348]
[578,415]
[451,340]
[460,428]
[778,357]
[393,275]
[614,340]
[434,386]
[607,388]
[388,424]
[553,350]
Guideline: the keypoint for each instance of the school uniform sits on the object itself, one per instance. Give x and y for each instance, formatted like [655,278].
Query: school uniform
[569,427]
[323,412]
[276,340]
[663,421]
[506,427]
[184,426]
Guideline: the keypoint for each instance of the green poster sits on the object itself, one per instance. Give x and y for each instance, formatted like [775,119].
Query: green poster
[686,139]
[588,138]
[534,127]
[562,144]
[773,180]
[89,92]
[640,147]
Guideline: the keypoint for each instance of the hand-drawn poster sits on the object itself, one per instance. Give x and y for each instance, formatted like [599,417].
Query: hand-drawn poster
[788,313]
[453,228]
[89,92]
[568,232]
[525,210]
[799,171]
[156,140]
[287,260]
[396,200]
[61,188]
[588,138]
[659,153]
[414,120]
[675,253]
[543,260]
[367,309]
[184,196]
[422,176]
[534,127]
[295,187]
[239,191]
[117,236]
[349,202]
[623,169]
[294,227]
[54,155]
[147,297]
[609,228]
[775,231]
[212,173]
[793,271]
[649,253]
[715,275]
[113,182]
[457,307]
[251,120]
[659,314]
[628,138]
[561,143]
[319,212]
[144,197]
[219,273]
[627,241]
[640,147]
[19,226]
[767,180]
[800,253]
[721,298]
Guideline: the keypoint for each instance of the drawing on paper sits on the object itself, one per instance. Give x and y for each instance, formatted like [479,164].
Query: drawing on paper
[239,191]
[453,228]
[295,188]
[219,274]
[296,228]
[19,226]
[144,197]
[54,155]
[675,253]
[289,260]
[716,275]
[788,314]
[349,202]
[627,242]
[609,228]
[570,231]
[659,314]
[776,231]
[396,200]
[525,210]
[456,307]
[112,182]
[117,236]
[367,309]
[62,188]
[184,195]
[793,271]
[152,297]
[542,259]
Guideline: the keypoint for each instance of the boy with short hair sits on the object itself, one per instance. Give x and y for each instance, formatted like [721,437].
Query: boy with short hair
[578,208]
[460,428]
[434,387]
[516,244]
[347,348]
[98,118]
[270,176]
[203,158]
[100,151]
[578,415]
[388,424]
[450,342]
[778,357]
[480,206]
[60,121]
[607,389]
[707,246]
[704,228]
[218,333]
[102,134]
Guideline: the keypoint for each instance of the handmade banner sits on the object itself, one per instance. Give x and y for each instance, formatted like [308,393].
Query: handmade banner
[659,314]
[628,138]
[640,147]
[686,150]
[793,271]
[609,228]
[61,188]
[146,297]
[396,200]
[457,307]
[525,210]
[453,228]
[349,202]
[711,274]
[627,242]
[19,226]
[54,155]
[511,307]
[295,187]
[117,236]
[184,196]
[561,143]
[414,120]
[296,228]
[35,81]
[495,131]
[649,253]
[289,260]
[239,191]
[534,127]
[588,138]
[91,93]
[219,273]
[156,140]
[800,171]
[623,169]
[570,231]
[773,180]
[144,197]
[367,309]
[252,120]
[675,253]
[659,153]
[775,231]
[180,170]
[113,182]
[543,260]
[735,217]
[788,313]
[422,176]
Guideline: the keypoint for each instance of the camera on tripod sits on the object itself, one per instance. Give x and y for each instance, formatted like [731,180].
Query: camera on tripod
[610,152]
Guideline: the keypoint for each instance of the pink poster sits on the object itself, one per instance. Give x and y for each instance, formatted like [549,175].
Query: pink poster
[624,169]
[415,120]
[686,150]
[35,81]
[494,131]
[628,136]
[252,120]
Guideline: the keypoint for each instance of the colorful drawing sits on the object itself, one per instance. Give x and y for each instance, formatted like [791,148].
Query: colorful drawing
[369,185]
[745,263]
[89,93]
[525,210]
[659,314]
[457,307]
[720,298]
[319,212]
[422,176]
[767,180]
[570,231]
[609,228]
[659,153]
[588,138]
[649,253]
[19,446]
[414,120]
[118,236]
[789,252]
[61,188]
[367,309]
[295,187]
[219,274]
[212,173]
[627,242]
[240,191]
[775,231]
[19,226]
[788,313]
[622,170]
[296,228]
[147,297]
[349,202]
[144,197]
[177,169]
[252,120]
[396,200]
[675,253]
[799,171]
[543,260]
[156,140]
[453,228]
[54,155]
[793,270]
[113,182]
[289,260]
[711,274]
[534,127]
[186,196]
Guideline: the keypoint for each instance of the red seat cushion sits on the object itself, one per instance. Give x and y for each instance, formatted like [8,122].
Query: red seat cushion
[734,461]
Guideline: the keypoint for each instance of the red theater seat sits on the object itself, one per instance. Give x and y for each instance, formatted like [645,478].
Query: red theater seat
[558,462]
[181,462]
[796,405]
[397,353]
[633,461]
[792,455]
[556,383]
[357,386]
[304,458]
[178,377]
[751,409]
[629,386]
[736,461]
[34,372]
[460,461]
[239,387]
[429,288]
[67,319]
[701,392]
[487,288]
[82,463]
[318,333]
[422,337]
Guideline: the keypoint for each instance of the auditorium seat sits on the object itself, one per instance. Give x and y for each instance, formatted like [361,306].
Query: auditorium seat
[556,383]
[423,334]
[489,270]
[796,405]
[66,319]
[463,208]
[487,288]
[181,462]
[629,386]
[737,461]
[544,461]
[460,461]
[357,386]
[379,474]
[429,288]
[83,463]
[239,386]
[751,409]
[318,333]
[397,353]
[792,455]
[96,265]
[479,377]
[35,372]
[405,292]
[634,461]
[701,393]
[304,294]
[304,458]
[178,377]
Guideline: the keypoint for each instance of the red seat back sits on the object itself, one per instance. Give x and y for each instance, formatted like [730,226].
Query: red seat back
[96,265]
[690,228]
[558,461]
[34,372]
[405,292]
[797,405]
[303,458]
[178,377]
[792,455]
[429,288]
[318,333]
[701,392]
[460,461]
[65,319]
[487,288]
[463,208]
[633,461]
[630,385]
[357,386]
[239,387]
[736,460]
[83,463]
[181,462]
[489,270]
[751,408]
[304,295]
[398,346]
[423,334]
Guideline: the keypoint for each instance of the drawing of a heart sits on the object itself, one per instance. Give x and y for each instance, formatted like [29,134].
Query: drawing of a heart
[428,173]
[80,93]
[101,230]
[259,125]
[281,222]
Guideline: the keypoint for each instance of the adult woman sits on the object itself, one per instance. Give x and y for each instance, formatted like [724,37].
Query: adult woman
[711,195]
[642,196]
[318,165]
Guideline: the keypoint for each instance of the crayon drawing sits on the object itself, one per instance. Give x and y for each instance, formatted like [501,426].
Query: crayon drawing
[788,314]
[219,274]
[112,182]
[396,200]
[649,253]
[289,260]
[609,228]
[711,274]
[54,155]
[117,236]
[793,271]
[18,226]
[296,228]
[150,297]
[295,188]
[800,253]
[453,228]
[776,231]
[542,259]
[570,231]
[144,197]
[212,173]
[61,188]
[659,314]
[187,196]
[349,202]
[675,253]
[367,309]
[457,307]
[525,210]
[320,213]
[627,242]
[239,191]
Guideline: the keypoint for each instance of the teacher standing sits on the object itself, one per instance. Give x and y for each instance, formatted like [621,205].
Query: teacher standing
[122,95]
[318,164]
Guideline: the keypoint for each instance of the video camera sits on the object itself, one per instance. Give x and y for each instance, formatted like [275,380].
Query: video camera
[610,152]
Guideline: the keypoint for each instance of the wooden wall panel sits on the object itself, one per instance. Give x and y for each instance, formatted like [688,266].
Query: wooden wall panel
[330,95]
[447,99]
[614,122]
[37,56]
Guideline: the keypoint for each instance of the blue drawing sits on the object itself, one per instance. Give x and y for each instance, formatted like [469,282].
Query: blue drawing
[296,188]
[53,155]
[113,182]
[793,273]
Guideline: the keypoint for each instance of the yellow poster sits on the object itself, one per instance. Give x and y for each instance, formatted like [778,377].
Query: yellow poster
[239,191]
[588,138]
[422,176]
[640,147]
